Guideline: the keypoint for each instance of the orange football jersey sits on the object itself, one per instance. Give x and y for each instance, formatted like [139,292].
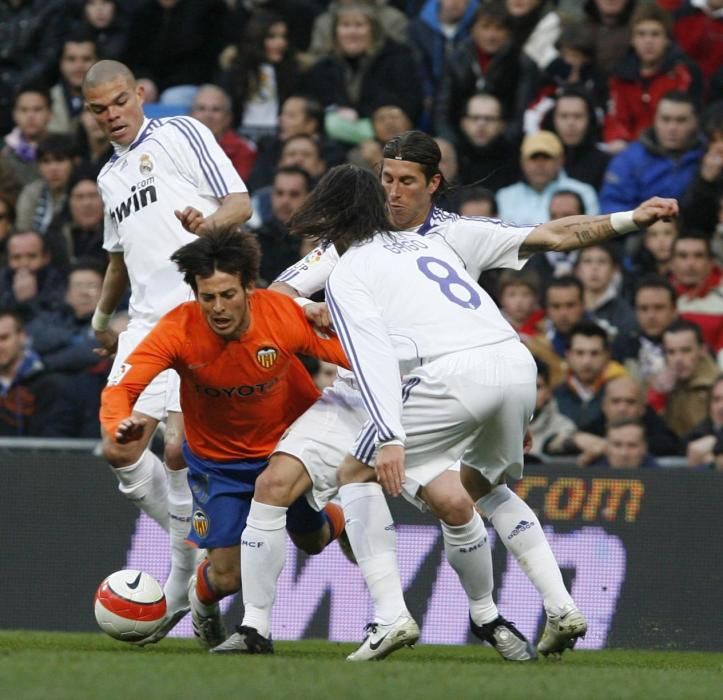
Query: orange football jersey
[237,396]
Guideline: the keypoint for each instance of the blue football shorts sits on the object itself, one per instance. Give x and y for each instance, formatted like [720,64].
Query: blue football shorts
[222,493]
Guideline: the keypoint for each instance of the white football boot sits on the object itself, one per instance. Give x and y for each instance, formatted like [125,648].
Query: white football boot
[382,640]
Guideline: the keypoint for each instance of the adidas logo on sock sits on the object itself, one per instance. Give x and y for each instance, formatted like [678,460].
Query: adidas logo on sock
[520,527]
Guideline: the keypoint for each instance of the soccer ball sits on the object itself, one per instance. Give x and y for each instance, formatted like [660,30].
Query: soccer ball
[129,605]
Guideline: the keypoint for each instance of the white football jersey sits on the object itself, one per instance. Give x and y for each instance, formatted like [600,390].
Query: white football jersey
[480,243]
[172,164]
[403,300]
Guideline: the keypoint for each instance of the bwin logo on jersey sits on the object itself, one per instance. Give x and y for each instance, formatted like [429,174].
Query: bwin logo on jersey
[145,165]
[519,528]
[266,357]
[139,199]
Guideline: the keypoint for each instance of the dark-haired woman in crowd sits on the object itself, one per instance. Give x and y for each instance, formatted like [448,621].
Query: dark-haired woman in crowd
[262,75]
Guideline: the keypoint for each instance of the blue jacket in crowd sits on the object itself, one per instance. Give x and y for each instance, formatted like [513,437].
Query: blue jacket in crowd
[645,170]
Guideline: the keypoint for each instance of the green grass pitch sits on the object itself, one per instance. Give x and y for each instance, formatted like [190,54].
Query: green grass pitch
[56,666]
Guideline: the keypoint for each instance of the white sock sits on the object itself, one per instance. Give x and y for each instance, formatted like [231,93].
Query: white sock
[183,555]
[370,528]
[521,532]
[263,553]
[468,553]
[145,484]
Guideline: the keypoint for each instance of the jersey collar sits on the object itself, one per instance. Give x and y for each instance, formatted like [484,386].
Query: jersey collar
[121,150]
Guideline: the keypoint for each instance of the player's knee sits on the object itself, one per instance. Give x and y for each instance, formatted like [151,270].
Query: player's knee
[272,489]
[173,455]
[474,483]
[311,542]
[353,472]
[120,455]
[454,508]
[225,581]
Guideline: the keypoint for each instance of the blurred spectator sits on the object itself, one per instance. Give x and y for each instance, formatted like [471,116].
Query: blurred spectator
[387,121]
[681,393]
[589,369]
[488,61]
[301,151]
[609,22]
[563,310]
[29,396]
[7,218]
[65,342]
[641,350]
[94,148]
[518,295]
[477,201]
[31,116]
[573,119]
[535,29]
[626,447]
[29,282]
[662,162]
[701,441]
[175,44]
[487,156]
[528,201]
[554,263]
[548,427]
[262,75]
[700,207]
[599,271]
[699,31]
[212,107]
[653,67]
[448,163]
[363,71]
[299,115]
[623,399]
[30,36]
[394,24]
[573,69]
[41,200]
[78,54]
[279,249]
[434,34]
[108,26]
[698,281]
[656,250]
[78,232]
[299,16]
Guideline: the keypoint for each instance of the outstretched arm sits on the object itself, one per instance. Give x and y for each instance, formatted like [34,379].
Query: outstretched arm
[574,232]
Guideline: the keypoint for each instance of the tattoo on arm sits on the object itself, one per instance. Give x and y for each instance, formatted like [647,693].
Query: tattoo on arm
[591,230]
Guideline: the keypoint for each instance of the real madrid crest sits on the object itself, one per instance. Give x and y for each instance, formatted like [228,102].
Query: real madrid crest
[146,164]
[267,356]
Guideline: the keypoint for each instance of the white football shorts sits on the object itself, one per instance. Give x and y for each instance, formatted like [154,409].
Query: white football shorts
[323,436]
[162,395]
[472,405]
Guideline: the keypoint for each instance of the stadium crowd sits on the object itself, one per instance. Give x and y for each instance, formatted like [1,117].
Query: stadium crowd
[541,110]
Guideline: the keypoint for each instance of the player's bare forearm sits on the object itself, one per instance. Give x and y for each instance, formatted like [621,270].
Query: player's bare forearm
[283,288]
[575,232]
[234,210]
[115,283]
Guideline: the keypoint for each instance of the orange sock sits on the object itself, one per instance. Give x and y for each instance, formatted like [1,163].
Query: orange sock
[335,517]
[204,591]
